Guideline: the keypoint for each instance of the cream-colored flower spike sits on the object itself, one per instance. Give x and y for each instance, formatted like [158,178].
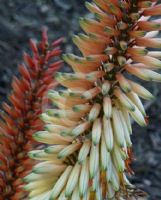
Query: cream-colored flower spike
[87,135]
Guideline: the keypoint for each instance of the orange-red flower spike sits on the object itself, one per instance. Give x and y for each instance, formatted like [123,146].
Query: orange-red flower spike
[21,116]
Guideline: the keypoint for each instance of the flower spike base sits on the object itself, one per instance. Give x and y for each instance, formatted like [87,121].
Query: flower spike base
[88,131]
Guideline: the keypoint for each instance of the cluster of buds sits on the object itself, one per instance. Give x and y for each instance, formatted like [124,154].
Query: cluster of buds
[20,118]
[88,131]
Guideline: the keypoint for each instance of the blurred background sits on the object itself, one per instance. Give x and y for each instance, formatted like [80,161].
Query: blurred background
[21,20]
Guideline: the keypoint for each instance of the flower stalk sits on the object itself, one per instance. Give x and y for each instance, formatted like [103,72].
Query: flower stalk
[20,119]
[88,132]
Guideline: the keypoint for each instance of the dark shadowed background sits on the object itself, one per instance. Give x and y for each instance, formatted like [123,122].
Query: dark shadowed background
[21,19]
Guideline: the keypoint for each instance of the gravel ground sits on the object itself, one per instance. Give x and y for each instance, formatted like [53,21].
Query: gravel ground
[20,20]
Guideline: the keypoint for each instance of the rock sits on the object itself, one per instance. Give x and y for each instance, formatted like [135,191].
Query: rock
[64,4]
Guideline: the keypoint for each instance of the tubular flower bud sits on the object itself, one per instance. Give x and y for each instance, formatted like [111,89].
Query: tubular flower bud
[20,120]
[96,131]
[125,86]
[94,112]
[107,107]
[91,124]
